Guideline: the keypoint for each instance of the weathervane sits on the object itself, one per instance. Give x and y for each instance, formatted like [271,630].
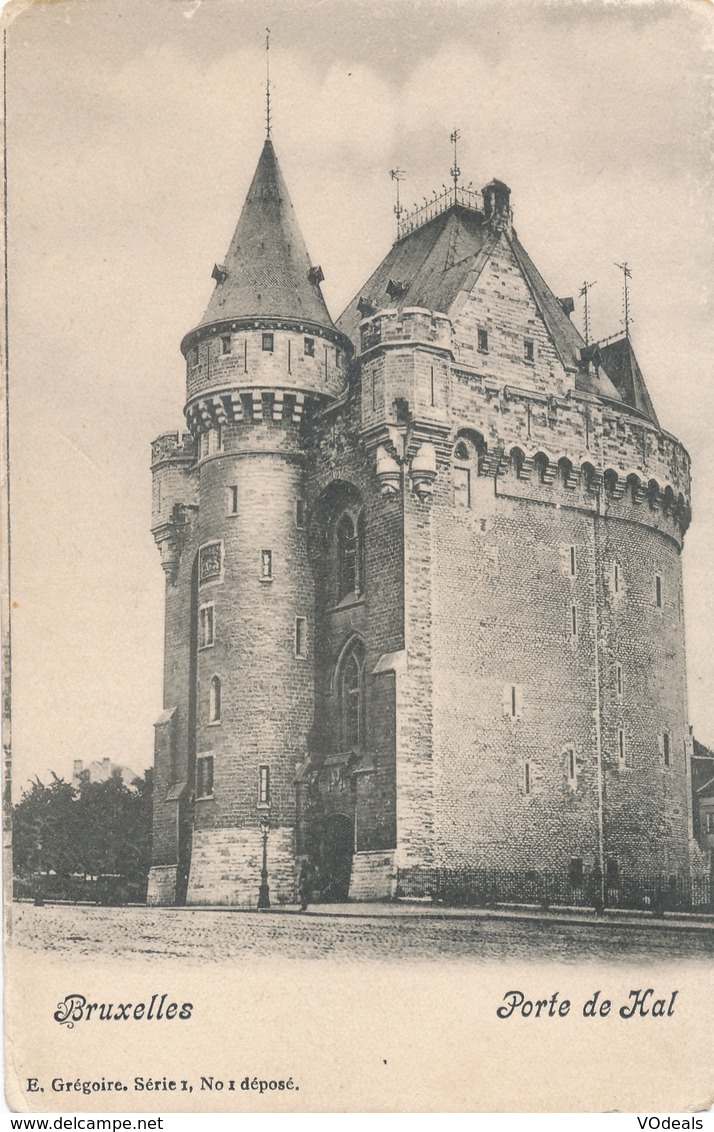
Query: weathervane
[584,294]
[397,175]
[626,274]
[455,171]
[267,82]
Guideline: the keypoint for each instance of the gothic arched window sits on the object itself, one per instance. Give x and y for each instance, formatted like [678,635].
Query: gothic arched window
[350,539]
[346,557]
[214,701]
[351,696]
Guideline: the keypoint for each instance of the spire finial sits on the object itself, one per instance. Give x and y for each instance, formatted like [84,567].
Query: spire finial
[455,171]
[584,294]
[398,175]
[267,82]
[626,274]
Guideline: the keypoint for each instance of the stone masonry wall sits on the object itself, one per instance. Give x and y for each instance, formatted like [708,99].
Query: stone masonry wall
[508,729]
[501,304]
[247,364]
[342,474]
[514,685]
[226,866]
[267,690]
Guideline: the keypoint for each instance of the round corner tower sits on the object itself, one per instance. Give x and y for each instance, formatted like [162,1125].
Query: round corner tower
[265,355]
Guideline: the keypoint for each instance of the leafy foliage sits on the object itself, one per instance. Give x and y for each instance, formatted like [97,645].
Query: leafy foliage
[97,829]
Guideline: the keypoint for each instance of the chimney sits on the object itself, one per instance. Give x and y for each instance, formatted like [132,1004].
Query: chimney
[77,768]
[497,206]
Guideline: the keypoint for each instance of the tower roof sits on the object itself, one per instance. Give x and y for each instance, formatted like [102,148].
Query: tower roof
[442,259]
[619,360]
[267,270]
[435,259]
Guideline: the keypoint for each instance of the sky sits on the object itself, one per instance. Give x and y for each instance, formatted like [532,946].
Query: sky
[134,128]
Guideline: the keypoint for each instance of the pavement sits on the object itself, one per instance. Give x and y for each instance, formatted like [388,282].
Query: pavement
[416,909]
[395,932]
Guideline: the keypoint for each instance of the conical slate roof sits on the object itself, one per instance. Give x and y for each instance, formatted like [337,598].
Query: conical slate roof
[267,270]
[619,360]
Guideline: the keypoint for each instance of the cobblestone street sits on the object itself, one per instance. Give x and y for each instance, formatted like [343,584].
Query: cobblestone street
[206,935]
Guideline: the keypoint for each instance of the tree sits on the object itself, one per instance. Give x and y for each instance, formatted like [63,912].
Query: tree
[99,829]
[45,829]
[115,826]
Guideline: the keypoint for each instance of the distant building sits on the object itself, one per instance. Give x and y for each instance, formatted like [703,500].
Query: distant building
[100,770]
[703,795]
[423,575]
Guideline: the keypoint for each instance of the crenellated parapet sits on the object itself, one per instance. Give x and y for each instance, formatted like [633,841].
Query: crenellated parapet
[599,454]
[173,447]
[413,326]
[241,406]
[623,447]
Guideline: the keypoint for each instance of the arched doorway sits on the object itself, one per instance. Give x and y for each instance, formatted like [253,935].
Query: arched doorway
[336,849]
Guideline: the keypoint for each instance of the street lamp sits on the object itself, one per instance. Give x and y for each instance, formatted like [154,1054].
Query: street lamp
[264,890]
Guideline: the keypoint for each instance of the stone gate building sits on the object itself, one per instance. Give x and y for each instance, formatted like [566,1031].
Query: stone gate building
[423,575]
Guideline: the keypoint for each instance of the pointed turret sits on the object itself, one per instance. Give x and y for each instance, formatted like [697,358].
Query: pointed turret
[267,269]
[266,326]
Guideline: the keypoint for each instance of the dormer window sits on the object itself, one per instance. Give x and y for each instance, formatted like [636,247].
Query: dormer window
[365,307]
[268,342]
[396,288]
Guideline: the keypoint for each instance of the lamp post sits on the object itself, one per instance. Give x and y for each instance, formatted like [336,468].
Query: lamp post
[264,890]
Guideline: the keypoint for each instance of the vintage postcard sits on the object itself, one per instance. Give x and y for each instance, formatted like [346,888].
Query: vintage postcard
[359,737]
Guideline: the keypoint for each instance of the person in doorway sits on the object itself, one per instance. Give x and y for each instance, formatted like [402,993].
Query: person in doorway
[305,885]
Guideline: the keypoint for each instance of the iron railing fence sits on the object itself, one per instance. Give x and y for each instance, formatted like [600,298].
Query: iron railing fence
[464,195]
[648,892]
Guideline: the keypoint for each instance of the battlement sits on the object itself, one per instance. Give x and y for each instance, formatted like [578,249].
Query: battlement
[413,325]
[244,405]
[579,428]
[173,447]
